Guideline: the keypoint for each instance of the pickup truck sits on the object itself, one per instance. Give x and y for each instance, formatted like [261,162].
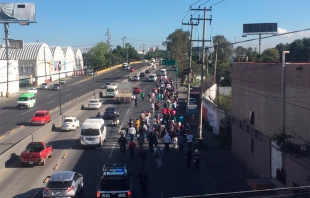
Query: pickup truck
[36,153]
[70,123]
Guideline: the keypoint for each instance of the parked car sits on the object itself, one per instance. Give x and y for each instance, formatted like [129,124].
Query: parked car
[110,112]
[44,86]
[32,90]
[70,123]
[106,85]
[36,153]
[64,184]
[94,104]
[56,87]
[62,82]
[41,117]
[136,90]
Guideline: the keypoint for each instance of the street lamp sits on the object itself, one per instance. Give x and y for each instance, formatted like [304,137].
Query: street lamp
[283,90]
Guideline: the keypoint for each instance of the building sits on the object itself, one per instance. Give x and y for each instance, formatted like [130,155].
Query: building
[78,67]
[256,117]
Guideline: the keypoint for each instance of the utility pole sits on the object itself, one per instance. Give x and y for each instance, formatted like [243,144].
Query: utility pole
[215,75]
[202,65]
[190,60]
[109,38]
[126,50]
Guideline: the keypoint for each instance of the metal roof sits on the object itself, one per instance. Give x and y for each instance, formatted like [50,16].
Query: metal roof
[29,52]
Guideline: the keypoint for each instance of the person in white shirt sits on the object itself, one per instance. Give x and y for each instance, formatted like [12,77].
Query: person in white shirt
[189,139]
[167,140]
[132,132]
[152,107]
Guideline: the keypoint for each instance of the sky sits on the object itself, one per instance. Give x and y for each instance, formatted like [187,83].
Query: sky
[84,23]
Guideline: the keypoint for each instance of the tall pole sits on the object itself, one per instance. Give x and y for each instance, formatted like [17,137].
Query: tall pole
[6,31]
[202,73]
[215,75]
[190,65]
[283,91]
[126,50]
[260,42]
[45,65]
[60,111]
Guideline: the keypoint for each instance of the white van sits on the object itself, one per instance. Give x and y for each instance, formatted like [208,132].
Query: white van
[93,132]
[163,72]
[111,91]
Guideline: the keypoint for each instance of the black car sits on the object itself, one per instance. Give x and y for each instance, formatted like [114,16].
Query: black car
[110,112]
[142,74]
[56,87]
[147,71]
[114,181]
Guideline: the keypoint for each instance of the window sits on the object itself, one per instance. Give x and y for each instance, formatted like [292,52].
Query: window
[252,145]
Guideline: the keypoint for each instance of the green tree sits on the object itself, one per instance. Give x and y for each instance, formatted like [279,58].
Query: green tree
[97,54]
[269,55]
[177,47]
[252,54]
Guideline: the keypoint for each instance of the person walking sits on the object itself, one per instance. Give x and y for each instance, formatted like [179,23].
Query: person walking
[189,139]
[167,141]
[143,180]
[132,132]
[142,95]
[181,141]
[141,140]
[132,147]
[158,156]
[151,138]
[136,101]
[122,141]
[189,159]
[142,156]
[196,159]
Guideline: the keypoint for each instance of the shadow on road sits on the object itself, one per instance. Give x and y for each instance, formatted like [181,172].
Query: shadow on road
[34,193]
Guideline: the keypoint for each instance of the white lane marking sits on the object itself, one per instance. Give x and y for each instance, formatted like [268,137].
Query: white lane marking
[67,89]
[4,111]
[50,95]
[81,89]
[68,95]
[112,151]
[27,111]
[127,111]
[50,102]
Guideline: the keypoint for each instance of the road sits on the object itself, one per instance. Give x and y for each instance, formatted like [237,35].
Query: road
[173,179]
[10,123]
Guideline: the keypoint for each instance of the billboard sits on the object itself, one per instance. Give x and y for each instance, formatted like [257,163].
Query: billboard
[17,12]
[260,28]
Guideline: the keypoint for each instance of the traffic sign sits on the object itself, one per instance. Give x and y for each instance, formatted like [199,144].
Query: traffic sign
[168,62]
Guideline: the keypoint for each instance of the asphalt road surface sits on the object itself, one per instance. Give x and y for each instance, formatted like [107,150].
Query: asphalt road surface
[173,179]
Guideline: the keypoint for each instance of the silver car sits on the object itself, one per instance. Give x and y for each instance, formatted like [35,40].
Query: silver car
[64,184]
[44,86]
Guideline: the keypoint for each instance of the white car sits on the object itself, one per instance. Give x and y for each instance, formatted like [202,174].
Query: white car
[153,66]
[32,90]
[152,77]
[70,124]
[94,104]
[106,85]
[135,77]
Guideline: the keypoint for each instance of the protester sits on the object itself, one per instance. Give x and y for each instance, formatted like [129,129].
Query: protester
[132,147]
[167,141]
[122,141]
[143,180]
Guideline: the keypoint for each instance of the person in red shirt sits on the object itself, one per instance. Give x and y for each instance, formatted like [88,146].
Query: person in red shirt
[168,110]
[132,147]
[164,112]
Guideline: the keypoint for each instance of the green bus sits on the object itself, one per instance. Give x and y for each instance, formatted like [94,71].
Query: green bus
[26,100]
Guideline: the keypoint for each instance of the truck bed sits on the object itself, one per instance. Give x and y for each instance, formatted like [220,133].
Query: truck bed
[122,97]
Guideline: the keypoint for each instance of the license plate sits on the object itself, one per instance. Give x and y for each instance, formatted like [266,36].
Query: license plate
[105,195]
[30,162]
[121,195]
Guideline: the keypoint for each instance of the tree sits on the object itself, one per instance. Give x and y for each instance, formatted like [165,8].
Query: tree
[96,55]
[270,55]
[177,47]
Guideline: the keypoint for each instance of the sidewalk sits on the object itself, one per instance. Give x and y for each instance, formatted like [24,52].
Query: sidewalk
[228,172]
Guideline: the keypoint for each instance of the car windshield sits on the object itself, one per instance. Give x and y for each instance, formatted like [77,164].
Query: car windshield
[43,84]
[136,88]
[110,90]
[90,132]
[68,120]
[39,115]
[110,109]
[107,83]
[59,184]
[93,101]
[114,183]
[22,99]
[56,85]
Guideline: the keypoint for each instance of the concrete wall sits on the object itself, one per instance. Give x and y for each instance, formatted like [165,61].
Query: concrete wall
[301,171]
[212,114]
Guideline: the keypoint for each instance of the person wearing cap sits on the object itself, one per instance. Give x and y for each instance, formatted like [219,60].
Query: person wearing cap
[196,159]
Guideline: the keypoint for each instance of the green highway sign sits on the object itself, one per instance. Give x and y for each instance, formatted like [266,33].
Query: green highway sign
[168,62]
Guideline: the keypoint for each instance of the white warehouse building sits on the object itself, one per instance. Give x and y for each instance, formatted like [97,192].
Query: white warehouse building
[38,63]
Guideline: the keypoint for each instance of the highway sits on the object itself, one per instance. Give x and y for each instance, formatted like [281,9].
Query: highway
[11,117]
[173,179]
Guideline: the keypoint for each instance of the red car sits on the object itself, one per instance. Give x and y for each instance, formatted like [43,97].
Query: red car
[136,90]
[132,69]
[41,117]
